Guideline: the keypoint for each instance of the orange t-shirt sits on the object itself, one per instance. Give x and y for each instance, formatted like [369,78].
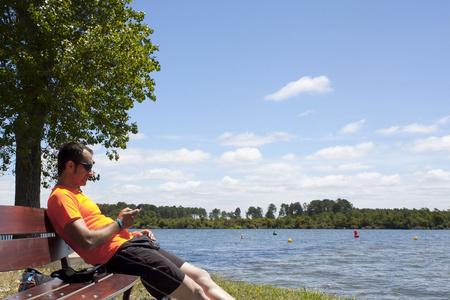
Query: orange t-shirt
[66,204]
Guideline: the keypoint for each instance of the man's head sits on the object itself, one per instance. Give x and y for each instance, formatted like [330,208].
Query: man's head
[75,159]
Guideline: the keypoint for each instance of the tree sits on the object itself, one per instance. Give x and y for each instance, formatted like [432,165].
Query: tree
[223,215]
[271,210]
[315,207]
[214,214]
[69,70]
[284,210]
[254,213]
[342,206]
[295,209]
[327,205]
[237,213]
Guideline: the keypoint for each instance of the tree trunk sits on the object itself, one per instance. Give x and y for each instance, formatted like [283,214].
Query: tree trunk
[28,167]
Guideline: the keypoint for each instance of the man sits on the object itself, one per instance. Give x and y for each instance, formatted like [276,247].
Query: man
[101,240]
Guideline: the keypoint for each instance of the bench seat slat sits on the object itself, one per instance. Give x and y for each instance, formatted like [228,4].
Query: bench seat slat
[36,291]
[107,287]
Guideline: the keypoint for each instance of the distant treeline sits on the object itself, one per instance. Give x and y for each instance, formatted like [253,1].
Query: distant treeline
[326,214]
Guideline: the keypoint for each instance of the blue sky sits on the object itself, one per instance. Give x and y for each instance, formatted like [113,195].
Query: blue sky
[263,102]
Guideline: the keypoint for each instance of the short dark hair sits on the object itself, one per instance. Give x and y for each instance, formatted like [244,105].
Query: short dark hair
[72,151]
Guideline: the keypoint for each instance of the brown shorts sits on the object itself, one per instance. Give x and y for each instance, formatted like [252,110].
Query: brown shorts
[159,270]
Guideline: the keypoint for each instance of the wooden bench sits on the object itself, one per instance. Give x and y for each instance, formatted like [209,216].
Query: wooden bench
[27,240]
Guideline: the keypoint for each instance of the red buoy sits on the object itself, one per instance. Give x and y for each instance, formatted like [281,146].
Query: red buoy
[356,234]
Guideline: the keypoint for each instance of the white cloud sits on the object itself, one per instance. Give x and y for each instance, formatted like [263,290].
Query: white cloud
[432,144]
[228,180]
[343,152]
[412,128]
[135,156]
[437,175]
[443,121]
[226,135]
[375,178]
[341,168]
[176,187]
[359,181]
[152,174]
[418,128]
[278,170]
[305,113]
[181,156]
[249,139]
[320,85]
[241,156]
[389,131]
[353,127]
[290,156]
[137,136]
[353,167]
[277,182]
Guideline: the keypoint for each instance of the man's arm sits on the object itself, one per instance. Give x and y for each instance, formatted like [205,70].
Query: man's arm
[89,239]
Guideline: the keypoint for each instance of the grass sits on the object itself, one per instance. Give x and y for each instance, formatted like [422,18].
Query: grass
[9,283]
[242,290]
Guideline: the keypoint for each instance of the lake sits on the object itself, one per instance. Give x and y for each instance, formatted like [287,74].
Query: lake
[380,264]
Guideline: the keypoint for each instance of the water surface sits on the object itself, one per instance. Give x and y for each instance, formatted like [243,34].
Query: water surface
[380,264]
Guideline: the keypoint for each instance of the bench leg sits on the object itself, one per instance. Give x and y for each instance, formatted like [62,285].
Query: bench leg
[126,294]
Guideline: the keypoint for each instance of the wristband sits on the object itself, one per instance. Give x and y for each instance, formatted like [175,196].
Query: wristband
[120,223]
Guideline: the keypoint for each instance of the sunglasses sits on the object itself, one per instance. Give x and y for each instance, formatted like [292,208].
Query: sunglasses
[86,166]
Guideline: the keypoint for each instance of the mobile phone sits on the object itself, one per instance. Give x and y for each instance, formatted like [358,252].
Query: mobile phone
[139,206]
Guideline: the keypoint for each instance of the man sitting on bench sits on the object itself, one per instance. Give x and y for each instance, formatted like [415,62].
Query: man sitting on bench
[101,240]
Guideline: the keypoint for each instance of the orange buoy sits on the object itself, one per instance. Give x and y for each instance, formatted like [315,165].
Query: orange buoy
[356,234]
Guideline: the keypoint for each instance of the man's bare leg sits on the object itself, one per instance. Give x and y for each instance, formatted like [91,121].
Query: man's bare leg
[189,290]
[202,278]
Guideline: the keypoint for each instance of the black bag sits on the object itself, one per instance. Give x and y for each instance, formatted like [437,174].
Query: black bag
[69,275]
[32,278]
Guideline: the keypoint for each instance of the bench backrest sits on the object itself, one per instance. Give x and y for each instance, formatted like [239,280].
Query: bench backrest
[27,239]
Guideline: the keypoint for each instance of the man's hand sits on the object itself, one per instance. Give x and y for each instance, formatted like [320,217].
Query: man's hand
[146,232]
[127,215]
